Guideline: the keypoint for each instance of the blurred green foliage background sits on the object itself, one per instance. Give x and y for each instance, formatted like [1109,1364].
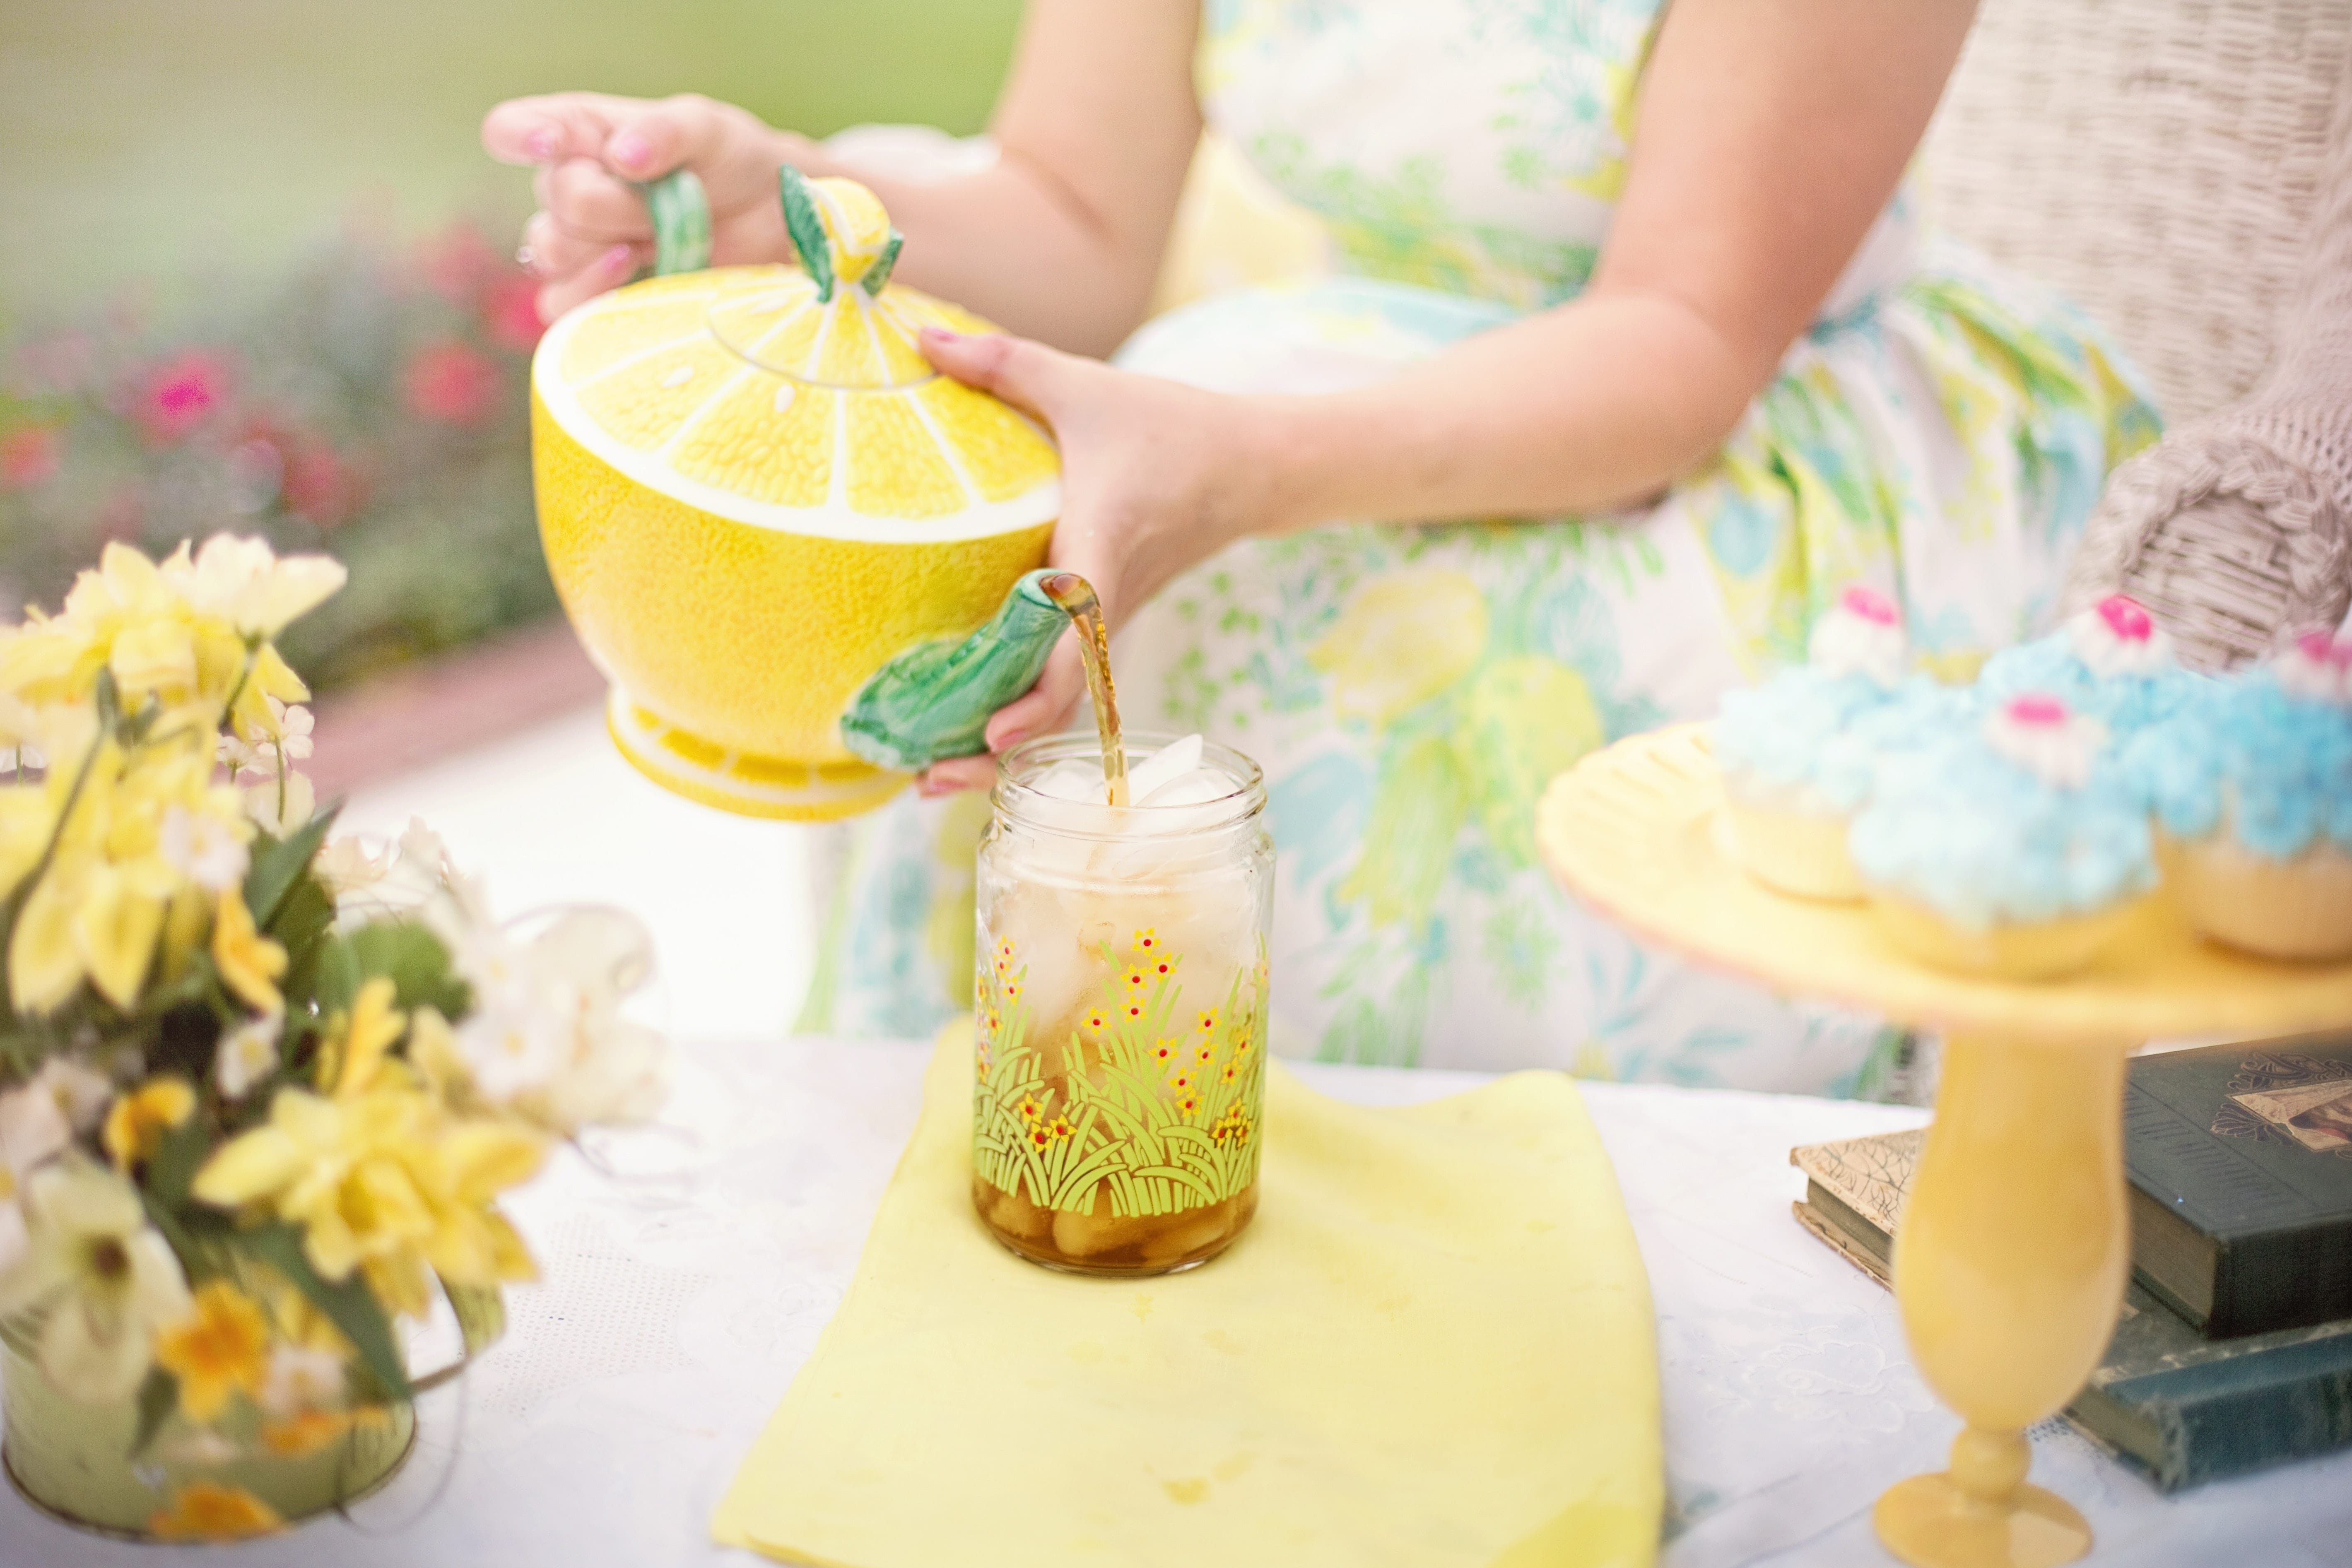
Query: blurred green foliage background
[256,274]
[151,142]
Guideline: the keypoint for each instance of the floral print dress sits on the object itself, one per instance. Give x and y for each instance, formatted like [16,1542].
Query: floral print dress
[1941,434]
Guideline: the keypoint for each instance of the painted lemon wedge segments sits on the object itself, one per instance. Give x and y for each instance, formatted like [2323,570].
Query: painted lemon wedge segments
[754,492]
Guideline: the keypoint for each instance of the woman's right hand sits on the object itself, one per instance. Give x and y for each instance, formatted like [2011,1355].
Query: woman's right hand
[591,232]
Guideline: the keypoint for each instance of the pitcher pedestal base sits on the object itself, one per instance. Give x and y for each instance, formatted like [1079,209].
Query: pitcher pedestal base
[1929,1522]
[740,781]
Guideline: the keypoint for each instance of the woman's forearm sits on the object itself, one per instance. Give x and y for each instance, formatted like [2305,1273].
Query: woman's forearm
[1589,406]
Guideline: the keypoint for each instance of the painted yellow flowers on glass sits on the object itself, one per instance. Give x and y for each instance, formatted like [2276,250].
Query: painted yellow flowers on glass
[1143,1102]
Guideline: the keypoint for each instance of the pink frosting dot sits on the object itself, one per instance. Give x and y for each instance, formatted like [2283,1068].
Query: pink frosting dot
[1869,603]
[2127,618]
[2037,710]
[2321,648]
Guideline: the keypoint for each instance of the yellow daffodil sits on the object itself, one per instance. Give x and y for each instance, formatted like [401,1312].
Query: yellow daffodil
[249,963]
[220,1348]
[103,1277]
[353,1059]
[379,1174]
[137,1121]
[125,832]
[206,1511]
[244,583]
[306,1433]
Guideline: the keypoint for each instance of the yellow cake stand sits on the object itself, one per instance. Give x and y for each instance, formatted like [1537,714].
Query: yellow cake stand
[2011,1259]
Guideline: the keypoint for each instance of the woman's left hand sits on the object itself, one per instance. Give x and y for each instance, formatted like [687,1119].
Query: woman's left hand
[1156,476]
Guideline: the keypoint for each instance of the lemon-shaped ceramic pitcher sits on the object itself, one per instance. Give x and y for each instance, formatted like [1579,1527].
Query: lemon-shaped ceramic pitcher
[776,527]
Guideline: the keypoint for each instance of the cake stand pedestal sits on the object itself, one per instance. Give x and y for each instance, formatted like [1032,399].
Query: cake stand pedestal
[2014,1245]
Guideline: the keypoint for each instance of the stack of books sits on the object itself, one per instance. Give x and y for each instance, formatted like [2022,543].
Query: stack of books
[2234,1348]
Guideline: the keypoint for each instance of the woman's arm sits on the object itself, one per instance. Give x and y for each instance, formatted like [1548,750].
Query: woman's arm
[1772,132]
[1060,241]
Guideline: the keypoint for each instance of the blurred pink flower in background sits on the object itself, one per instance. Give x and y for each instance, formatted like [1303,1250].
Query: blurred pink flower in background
[510,312]
[457,260]
[319,486]
[29,455]
[454,383]
[179,395]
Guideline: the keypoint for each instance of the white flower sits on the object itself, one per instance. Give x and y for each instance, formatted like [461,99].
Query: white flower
[2119,636]
[244,581]
[280,806]
[548,1039]
[248,1054]
[2316,669]
[81,1094]
[33,1131]
[1862,634]
[102,1276]
[2039,735]
[301,1377]
[270,747]
[202,848]
[294,727]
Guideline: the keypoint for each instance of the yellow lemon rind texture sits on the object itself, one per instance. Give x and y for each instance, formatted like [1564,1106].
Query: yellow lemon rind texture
[752,639]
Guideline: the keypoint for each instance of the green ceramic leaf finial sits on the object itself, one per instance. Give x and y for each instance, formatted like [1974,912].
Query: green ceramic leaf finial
[840,230]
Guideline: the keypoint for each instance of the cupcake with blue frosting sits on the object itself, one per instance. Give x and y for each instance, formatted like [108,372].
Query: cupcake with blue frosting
[2112,662]
[2251,790]
[1789,785]
[2015,848]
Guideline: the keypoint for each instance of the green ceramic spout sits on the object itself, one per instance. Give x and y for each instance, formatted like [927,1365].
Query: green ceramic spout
[932,702]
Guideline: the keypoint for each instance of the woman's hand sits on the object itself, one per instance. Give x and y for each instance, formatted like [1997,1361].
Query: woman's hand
[1156,477]
[591,232]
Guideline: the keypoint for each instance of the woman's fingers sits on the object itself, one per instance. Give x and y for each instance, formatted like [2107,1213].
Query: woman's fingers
[687,129]
[610,266]
[553,126]
[1046,705]
[553,252]
[957,774]
[1028,374]
[591,205]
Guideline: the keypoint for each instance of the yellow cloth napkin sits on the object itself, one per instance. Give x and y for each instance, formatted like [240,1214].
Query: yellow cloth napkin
[1432,1347]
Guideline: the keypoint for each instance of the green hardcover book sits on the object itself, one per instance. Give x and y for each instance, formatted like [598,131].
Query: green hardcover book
[2184,1409]
[2240,1165]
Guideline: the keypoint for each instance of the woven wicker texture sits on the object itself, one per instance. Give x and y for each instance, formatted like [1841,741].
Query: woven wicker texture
[2157,159]
[2238,526]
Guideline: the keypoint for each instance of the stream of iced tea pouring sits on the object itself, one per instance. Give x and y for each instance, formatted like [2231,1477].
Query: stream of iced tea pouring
[1075,596]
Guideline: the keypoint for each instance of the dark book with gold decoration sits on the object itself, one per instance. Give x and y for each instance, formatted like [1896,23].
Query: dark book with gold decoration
[2185,1408]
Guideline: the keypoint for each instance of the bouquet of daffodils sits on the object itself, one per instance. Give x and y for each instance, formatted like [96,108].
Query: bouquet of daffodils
[260,1091]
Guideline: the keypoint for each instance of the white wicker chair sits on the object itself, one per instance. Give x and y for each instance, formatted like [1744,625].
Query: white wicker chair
[2158,159]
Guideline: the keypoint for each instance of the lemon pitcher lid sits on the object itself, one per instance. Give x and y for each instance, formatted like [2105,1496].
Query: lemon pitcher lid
[796,398]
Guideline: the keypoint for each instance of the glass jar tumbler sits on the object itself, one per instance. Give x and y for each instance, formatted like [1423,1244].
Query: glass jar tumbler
[1120,1004]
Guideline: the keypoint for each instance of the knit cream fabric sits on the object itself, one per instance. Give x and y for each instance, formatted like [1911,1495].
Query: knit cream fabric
[2237,527]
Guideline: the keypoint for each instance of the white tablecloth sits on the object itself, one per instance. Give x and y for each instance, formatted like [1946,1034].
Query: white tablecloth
[684,1288]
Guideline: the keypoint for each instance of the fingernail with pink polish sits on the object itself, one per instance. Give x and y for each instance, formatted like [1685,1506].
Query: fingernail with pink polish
[1009,740]
[628,150]
[940,335]
[542,145]
[620,258]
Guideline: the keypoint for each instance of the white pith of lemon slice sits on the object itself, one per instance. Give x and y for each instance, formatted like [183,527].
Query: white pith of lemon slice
[740,393]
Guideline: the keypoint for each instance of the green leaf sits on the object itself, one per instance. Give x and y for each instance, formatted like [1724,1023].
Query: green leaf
[277,863]
[305,914]
[348,1305]
[335,975]
[415,961]
[159,1395]
[174,1168]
